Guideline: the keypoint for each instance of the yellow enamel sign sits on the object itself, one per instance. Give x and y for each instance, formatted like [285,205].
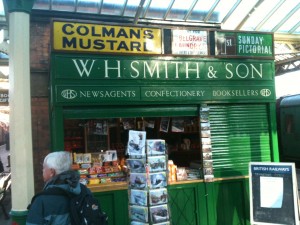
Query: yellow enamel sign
[81,37]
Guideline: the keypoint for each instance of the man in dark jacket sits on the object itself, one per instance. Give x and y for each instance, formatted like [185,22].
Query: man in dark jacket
[55,209]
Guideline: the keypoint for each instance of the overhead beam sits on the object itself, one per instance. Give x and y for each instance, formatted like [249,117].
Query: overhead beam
[294,28]
[187,15]
[280,70]
[286,37]
[233,8]
[294,10]
[289,60]
[168,9]
[124,8]
[267,17]
[100,6]
[241,24]
[138,11]
[211,10]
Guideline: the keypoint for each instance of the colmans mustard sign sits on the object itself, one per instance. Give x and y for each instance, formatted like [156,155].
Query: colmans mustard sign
[81,37]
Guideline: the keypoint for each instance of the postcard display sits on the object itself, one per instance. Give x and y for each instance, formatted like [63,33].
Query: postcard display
[206,144]
[147,180]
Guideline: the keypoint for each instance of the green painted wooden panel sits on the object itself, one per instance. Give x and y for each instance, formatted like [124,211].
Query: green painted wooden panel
[228,202]
[240,134]
[188,204]
[231,203]
[93,80]
[132,111]
[217,203]
[183,203]
[115,204]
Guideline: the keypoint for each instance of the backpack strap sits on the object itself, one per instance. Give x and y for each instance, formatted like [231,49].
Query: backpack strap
[50,191]
[84,189]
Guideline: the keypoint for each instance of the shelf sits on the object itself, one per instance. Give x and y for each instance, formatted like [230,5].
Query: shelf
[92,134]
[113,186]
[73,138]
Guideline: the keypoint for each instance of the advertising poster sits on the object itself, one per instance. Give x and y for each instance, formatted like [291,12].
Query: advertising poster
[189,42]
[273,193]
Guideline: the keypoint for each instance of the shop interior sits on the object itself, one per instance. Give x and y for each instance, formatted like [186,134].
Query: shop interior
[181,135]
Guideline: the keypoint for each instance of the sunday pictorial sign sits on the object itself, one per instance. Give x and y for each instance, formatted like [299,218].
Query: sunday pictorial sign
[244,44]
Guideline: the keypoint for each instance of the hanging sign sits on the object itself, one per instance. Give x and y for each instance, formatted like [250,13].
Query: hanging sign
[4,98]
[189,42]
[273,194]
[244,44]
[83,37]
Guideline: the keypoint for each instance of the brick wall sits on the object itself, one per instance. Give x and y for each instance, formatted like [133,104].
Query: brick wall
[40,137]
[39,72]
[39,46]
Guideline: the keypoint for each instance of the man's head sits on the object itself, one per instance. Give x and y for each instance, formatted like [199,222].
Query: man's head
[56,163]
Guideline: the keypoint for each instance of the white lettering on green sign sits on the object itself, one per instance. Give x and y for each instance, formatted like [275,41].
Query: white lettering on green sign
[107,94]
[166,93]
[244,93]
[86,94]
[243,71]
[235,93]
[142,69]
[254,44]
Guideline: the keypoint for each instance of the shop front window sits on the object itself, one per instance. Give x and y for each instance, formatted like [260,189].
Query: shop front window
[101,148]
[181,135]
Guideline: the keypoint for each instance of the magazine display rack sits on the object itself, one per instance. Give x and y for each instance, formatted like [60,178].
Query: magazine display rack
[147,180]
[206,144]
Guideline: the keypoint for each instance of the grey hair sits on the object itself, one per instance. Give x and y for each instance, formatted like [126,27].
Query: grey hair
[60,161]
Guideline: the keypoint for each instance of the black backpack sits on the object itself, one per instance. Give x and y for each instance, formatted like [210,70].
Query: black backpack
[84,208]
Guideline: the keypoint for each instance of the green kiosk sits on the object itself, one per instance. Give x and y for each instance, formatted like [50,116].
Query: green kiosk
[208,93]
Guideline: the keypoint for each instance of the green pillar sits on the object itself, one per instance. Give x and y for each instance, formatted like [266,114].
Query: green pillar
[22,188]
[19,5]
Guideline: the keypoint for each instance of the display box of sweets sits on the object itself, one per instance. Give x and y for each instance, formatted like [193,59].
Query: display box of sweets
[96,168]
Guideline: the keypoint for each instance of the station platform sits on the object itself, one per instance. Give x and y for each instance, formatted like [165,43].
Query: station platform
[7,202]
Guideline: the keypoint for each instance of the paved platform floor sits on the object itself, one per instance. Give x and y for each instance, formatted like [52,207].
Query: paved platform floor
[3,155]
